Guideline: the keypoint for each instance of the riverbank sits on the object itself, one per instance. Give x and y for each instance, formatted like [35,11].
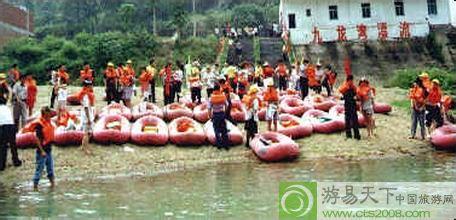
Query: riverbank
[124,160]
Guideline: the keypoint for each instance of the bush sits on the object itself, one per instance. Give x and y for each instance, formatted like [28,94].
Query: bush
[405,77]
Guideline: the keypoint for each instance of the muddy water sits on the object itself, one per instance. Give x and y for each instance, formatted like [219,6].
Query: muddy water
[232,191]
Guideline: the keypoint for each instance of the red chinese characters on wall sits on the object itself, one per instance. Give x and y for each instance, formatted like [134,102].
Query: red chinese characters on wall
[341,33]
[317,38]
[404,30]
[362,32]
[382,31]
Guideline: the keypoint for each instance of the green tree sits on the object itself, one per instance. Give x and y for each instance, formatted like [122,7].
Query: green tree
[127,12]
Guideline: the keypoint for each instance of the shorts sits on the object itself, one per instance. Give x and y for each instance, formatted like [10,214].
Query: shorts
[367,108]
[127,93]
[272,114]
[61,104]
[86,128]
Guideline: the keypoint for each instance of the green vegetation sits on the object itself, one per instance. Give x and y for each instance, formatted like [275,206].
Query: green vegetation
[256,49]
[36,56]
[405,77]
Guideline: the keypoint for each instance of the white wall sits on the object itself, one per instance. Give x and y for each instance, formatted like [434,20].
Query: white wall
[350,16]
[452,12]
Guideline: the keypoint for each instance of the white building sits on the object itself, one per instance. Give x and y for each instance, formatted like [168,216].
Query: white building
[305,19]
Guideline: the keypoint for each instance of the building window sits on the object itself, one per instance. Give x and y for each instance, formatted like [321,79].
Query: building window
[399,5]
[291,21]
[333,12]
[432,7]
[366,10]
[308,12]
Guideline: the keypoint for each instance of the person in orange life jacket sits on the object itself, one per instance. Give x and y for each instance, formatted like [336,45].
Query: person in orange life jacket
[32,91]
[227,90]
[66,121]
[303,79]
[252,102]
[111,78]
[86,73]
[319,75]
[426,81]
[243,85]
[167,74]
[282,72]
[7,127]
[434,115]
[417,105]
[62,77]
[268,71]
[447,104]
[329,79]
[217,110]
[178,76]
[153,72]
[348,91]
[44,131]
[271,97]
[127,81]
[144,81]
[87,115]
[13,75]
[366,94]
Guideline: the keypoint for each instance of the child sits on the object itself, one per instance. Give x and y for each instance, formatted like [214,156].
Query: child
[253,104]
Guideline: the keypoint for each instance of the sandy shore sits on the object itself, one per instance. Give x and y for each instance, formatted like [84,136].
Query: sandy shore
[71,163]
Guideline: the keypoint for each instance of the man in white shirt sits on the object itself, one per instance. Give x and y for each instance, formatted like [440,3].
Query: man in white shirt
[7,127]
[20,102]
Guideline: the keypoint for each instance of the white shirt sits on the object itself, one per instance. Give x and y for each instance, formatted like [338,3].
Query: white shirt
[253,112]
[86,104]
[319,74]
[6,117]
[178,75]
[62,95]
[210,79]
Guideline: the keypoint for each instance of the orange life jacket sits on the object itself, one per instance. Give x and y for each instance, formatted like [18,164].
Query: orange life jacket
[332,77]
[417,94]
[363,92]
[110,73]
[271,95]
[268,72]
[311,76]
[89,93]
[86,74]
[282,69]
[249,99]
[446,102]
[126,79]
[184,126]
[218,98]
[64,77]
[64,117]
[435,96]
[347,86]
[47,127]
[144,79]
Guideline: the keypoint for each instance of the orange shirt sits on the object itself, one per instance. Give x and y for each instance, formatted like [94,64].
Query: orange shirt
[435,96]
[271,95]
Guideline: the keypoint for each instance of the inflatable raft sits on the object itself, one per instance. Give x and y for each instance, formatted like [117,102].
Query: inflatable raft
[238,111]
[150,110]
[292,126]
[382,108]
[201,113]
[113,129]
[234,135]
[150,130]
[176,110]
[323,122]
[116,109]
[338,111]
[274,147]
[186,131]
[444,138]
[294,106]
[323,103]
[26,140]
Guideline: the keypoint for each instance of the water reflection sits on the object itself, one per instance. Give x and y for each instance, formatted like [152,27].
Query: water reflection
[232,191]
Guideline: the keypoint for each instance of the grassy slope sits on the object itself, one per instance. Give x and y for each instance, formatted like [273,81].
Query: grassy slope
[112,160]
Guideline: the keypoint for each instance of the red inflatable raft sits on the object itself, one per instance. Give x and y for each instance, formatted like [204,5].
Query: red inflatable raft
[114,129]
[338,111]
[116,109]
[74,99]
[234,135]
[292,126]
[322,122]
[444,138]
[262,114]
[26,140]
[323,103]
[150,130]
[294,106]
[151,110]
[176,110]
[382,108]
[186,131]
[201,113]
[238,111]
[273,147]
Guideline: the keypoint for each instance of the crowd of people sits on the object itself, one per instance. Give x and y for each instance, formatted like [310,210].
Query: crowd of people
[257,85]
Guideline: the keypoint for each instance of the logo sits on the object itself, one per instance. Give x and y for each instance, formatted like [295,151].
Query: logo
[298,200]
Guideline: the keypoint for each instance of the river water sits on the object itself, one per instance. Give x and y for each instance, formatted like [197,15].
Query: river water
[225,191]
